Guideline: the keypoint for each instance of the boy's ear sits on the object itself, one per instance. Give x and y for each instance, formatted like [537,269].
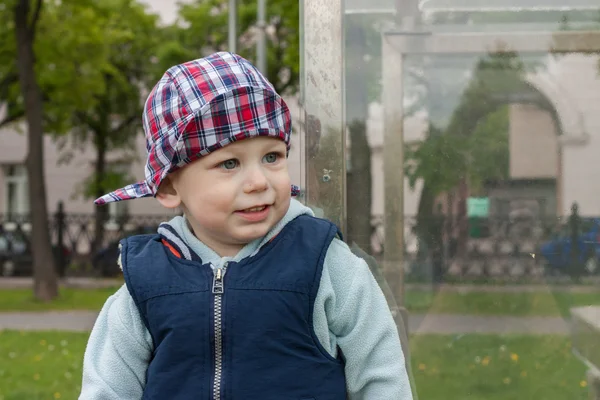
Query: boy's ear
[167,196]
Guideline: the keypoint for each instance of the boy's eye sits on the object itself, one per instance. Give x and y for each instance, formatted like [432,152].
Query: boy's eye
[229,164]
[271,158]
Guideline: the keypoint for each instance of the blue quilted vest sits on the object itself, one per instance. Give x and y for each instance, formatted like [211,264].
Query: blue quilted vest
[241,332]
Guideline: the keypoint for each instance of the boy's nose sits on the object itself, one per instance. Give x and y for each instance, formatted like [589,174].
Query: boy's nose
[256,181]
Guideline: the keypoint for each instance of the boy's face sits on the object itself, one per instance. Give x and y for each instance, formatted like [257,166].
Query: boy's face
[233,195]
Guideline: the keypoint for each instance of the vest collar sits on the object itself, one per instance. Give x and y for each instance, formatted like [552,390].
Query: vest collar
[171,239]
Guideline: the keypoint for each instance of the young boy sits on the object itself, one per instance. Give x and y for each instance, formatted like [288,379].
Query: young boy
[247,296]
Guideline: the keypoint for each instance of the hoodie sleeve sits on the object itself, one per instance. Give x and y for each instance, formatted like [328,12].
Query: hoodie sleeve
[359,321]
[117,353]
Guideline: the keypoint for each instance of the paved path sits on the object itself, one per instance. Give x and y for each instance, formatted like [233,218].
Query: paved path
[508,288]
[457,324]
[83,321]
[80,321]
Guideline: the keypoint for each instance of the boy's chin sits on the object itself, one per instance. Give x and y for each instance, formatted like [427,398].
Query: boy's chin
[249,234]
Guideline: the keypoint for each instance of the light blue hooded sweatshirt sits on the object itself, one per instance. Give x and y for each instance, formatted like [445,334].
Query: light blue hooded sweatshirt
[350,312]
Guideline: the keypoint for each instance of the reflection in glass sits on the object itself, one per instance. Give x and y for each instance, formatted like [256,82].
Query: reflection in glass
[501,210]
[472,187]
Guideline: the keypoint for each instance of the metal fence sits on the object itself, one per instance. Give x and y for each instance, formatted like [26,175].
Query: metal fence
[75,246]
[437,248]
[441,248]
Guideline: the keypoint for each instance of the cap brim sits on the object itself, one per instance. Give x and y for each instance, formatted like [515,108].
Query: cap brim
[129,192]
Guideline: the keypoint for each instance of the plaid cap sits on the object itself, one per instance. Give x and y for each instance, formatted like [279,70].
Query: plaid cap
[201,106]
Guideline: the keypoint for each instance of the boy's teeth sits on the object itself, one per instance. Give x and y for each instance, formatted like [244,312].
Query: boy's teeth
[256,209]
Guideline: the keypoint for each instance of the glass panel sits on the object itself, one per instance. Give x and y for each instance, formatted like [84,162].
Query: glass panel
[507,5]
[498,16]
[472,139]
[372,7]
[341,80]
[501,217]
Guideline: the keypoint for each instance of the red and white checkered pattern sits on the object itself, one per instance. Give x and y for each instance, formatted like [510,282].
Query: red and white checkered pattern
[200,106]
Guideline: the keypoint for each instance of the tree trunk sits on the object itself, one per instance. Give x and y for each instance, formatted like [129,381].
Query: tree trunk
[359,187]
[44,271]
[462,219]
[358,179]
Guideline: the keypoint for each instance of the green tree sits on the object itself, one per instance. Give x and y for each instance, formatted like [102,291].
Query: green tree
[69,47]
[53,58]
[114,121]
[473,146]
[496,80]
[206,31]
[26,16]
[462,149]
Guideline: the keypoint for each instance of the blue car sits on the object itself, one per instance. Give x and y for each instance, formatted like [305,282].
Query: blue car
[557,252]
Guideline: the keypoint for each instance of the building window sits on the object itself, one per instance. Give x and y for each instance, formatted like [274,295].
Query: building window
[16,193]
[118,213]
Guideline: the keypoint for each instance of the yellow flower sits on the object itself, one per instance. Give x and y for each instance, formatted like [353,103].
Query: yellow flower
[583,384]
[523,374]
[514,357]
[422,367]
[506,380]
[36,377]
[43,342]
[57,395]
[38,357]
[485,362]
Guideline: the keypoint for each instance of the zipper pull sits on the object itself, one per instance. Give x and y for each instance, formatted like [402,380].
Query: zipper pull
[218,284]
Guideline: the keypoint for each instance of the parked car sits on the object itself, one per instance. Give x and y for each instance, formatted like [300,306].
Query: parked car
[16,258]
[557,252]
[105,260]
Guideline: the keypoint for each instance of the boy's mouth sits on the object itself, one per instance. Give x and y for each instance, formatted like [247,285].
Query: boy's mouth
[254,209]
[255,214]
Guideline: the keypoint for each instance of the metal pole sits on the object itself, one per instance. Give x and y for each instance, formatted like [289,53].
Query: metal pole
[233,26]
[322,78]
[393,166]
[261,45]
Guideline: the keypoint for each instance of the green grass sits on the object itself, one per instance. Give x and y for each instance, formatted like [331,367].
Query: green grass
[492,367]
[47,365]
[69,299]
[515,304]
[478,303]
[41,365]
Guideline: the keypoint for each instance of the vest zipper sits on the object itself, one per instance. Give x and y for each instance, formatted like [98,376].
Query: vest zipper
[218,289]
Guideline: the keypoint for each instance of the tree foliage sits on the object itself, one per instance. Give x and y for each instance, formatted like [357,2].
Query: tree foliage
[90,62]
[70,47]
[206,29]
[114,120]
[474,143]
